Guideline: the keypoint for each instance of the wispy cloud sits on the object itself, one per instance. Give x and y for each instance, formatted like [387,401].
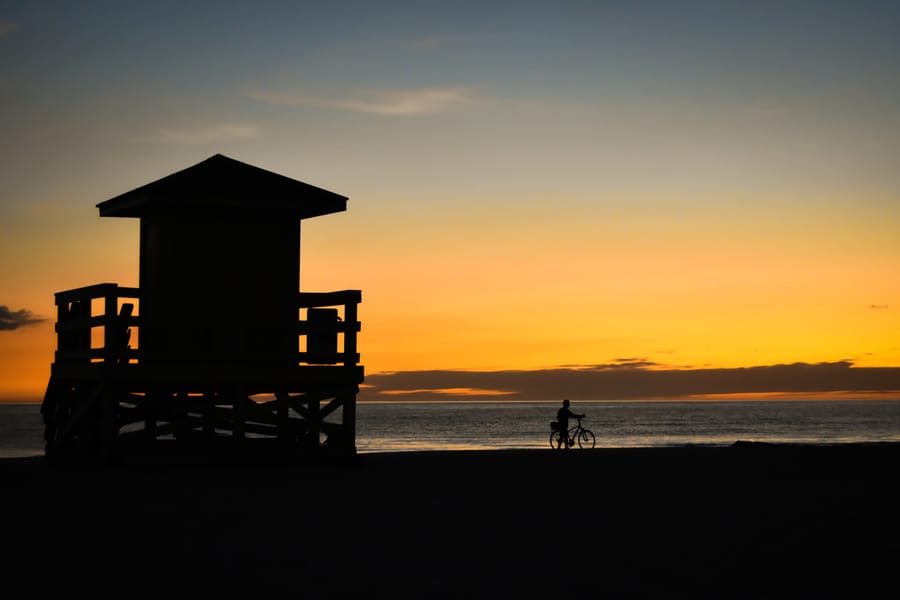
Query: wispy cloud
[203,135]
[461,391]
[419,101]
[879,306]
[619,363]
[6,27]
[12,320]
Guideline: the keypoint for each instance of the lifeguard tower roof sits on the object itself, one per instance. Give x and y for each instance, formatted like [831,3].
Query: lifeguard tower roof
[223,186]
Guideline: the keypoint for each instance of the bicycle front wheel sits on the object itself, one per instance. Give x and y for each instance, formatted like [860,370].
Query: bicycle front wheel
[586,439]
[555,440]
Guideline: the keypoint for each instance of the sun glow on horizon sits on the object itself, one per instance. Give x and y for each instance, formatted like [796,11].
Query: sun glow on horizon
[528,188]
[446,392]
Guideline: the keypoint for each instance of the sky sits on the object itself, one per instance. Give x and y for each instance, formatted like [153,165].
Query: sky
[535,187]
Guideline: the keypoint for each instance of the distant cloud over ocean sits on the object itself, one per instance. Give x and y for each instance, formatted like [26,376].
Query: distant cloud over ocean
[12,320]
[630,379]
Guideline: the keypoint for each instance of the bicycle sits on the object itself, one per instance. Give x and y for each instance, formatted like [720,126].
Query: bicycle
[584,437]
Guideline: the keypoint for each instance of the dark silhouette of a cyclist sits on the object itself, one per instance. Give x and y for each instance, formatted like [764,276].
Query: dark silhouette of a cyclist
[562,416]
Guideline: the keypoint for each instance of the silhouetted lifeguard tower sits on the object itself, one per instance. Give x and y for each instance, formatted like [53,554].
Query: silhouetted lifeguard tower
[217,347]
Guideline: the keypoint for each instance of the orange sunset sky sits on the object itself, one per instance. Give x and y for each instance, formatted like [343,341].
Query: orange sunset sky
[699,185]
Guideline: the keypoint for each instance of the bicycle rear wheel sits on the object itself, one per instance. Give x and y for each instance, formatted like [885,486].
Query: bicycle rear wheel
[586,439]
[554,439]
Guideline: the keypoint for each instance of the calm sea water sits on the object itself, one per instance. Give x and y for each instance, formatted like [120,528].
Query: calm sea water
[407,426]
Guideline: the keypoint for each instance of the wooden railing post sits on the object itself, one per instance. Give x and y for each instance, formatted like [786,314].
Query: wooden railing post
[349,420]
[350,317]
[313,420]
[239,416]
[282,410]
[110,333]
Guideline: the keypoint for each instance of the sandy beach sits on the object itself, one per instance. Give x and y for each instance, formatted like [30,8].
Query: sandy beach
[747,521]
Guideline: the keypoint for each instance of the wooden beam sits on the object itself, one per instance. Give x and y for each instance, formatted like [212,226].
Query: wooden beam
[349,420]
[283,414]
[318,299]
[209,424]
[98,290]
[240,405]
[80,411]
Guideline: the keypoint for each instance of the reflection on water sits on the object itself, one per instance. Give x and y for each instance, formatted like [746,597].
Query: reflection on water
[408,426]
[396,426]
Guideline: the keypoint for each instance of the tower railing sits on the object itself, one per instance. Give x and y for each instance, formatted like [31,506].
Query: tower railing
[100,324]
[87,335]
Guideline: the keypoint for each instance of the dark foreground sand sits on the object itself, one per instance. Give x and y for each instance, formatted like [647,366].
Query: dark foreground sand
[749,521]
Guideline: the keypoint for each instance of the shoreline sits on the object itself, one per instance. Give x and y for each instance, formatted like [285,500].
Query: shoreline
[169,449]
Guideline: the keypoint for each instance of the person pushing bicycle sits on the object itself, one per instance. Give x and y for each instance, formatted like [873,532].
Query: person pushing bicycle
[562,416]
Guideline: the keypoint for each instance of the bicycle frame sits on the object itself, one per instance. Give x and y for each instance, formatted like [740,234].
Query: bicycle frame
[578,434]
[575,431]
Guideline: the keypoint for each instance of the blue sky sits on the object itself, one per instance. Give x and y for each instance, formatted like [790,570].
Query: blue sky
[89,80]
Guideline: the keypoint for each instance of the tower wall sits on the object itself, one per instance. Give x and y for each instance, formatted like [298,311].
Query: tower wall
[219,288]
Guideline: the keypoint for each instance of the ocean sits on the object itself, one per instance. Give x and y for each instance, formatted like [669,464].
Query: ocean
[410,426]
